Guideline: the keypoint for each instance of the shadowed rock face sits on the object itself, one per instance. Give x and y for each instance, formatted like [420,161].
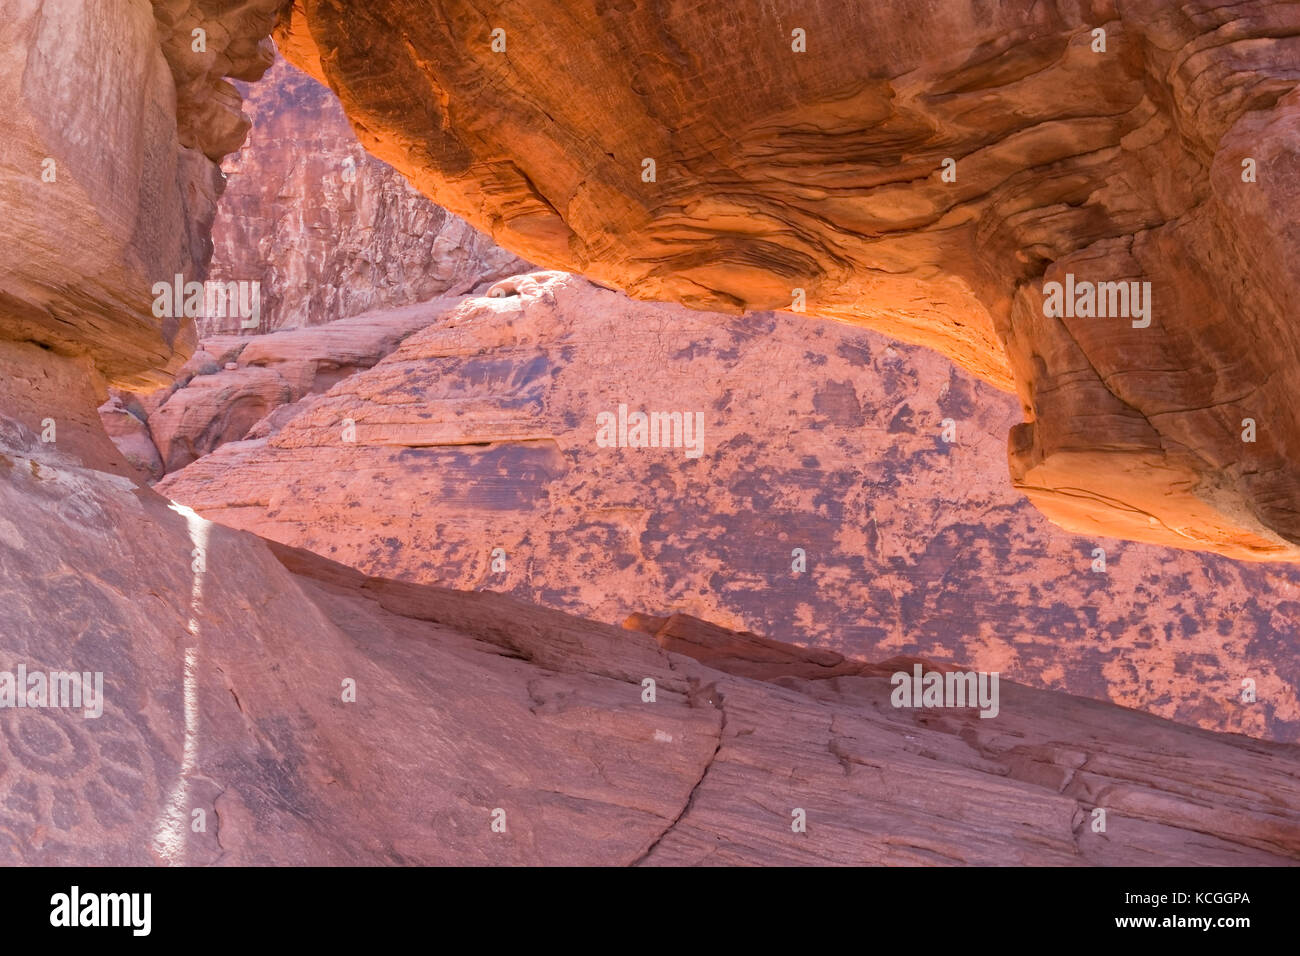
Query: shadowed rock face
[480,432]
[1118,156]
[327,230]
[107,171]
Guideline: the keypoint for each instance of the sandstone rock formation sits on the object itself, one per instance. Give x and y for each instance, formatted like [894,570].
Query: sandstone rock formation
[112,123]
[924,171]
[228,664]
[131,435]
[328,230]
[232,383]
[207,43]
[214,409]
[222,692]
[480,432]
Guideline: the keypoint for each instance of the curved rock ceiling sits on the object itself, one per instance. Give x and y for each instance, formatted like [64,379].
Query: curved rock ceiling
[1135,142]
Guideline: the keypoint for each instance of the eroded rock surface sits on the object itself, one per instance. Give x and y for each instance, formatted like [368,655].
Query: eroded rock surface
[232,383]
[228,663]
[1135,142]
[480,433]
[106,168]
[132,437]
[224,685]
[328,230]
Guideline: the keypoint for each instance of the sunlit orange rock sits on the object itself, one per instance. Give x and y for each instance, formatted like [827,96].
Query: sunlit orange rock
[923,170]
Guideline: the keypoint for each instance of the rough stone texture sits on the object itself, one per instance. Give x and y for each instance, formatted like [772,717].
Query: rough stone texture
[313,359]
[206,42]
[131,436]
[822,171]
[479,432]
[214,409]
[90,90]
[223,680]
[224,657]
[223,694]
[328,230]
[232,383]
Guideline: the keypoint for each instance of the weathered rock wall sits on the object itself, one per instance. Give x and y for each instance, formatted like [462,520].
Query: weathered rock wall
[480,432]
[1100,139]
[225,665]
[326,229]
[107,168]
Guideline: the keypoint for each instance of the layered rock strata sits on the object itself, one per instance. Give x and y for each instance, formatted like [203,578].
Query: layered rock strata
[307,714]
[113,122]
[304,713]
[232,383]
[846,494]
[924,171]
[327,230]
